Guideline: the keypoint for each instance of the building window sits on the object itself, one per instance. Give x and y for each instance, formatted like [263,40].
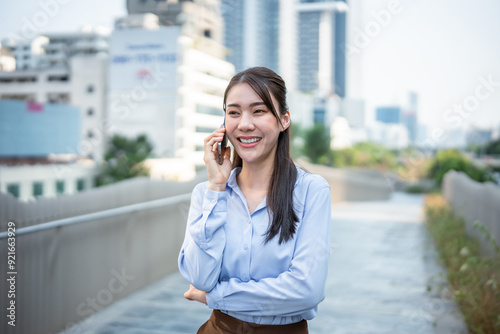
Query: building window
[58,77]
[204,129]
[90,111]
[37,189]
[13,189]
[201,109]
[60,187]
[80,184]
[90,88]
[90,134]
[199,148]
[207,33]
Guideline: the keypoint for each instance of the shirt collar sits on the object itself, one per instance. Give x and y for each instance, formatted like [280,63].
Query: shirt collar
[231,182]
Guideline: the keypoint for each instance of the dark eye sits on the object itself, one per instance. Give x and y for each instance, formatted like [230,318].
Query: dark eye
[232,112]
[259,111]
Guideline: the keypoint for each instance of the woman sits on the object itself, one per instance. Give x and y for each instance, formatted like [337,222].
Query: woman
[257,238]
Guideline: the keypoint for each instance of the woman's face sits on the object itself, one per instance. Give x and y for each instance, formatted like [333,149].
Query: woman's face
[251,126]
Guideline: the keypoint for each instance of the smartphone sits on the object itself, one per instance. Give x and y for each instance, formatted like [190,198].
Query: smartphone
[222,145]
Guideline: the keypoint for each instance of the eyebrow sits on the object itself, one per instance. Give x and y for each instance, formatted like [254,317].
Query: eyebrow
[251,105]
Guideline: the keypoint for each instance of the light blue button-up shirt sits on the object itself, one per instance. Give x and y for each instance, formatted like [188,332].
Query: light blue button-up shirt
[225,255]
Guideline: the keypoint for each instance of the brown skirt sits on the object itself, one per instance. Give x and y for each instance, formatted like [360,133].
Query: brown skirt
[221,323]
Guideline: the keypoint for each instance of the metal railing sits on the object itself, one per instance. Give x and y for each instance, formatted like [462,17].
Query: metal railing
[68,269]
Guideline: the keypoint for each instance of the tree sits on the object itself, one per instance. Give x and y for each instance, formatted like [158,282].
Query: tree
[493,147]
[123,159]
[453,159]
[316,142]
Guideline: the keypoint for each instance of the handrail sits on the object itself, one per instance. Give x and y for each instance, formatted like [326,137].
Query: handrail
[99,215]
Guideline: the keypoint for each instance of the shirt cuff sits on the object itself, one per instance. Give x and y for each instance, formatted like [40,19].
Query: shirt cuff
[215,297]
[215,201]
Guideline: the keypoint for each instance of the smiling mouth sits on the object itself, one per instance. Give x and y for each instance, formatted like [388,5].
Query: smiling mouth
[249,141]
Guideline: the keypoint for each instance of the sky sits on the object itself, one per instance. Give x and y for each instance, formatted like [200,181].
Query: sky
[441,49]
[445,50]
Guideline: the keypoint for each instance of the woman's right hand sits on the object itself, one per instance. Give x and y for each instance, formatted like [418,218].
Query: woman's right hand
[217,174]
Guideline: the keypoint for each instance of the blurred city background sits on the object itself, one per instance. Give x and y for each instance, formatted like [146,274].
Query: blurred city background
[104,106]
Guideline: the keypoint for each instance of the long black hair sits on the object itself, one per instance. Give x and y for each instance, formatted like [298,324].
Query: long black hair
[280,193]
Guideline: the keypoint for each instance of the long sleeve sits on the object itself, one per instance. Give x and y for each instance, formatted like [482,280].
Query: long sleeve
[297,290]
[200,257]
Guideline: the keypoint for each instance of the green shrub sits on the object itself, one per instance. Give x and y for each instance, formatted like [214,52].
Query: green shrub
[447,160]
[474,279]
[365,154]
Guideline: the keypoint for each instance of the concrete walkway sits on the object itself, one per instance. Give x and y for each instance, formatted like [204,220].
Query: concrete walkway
[383,278]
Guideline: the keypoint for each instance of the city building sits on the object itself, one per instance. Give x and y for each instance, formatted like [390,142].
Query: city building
[7,62]
[251,32]
[30,178]
[71,70]
[37,145]
[391,135]
[167,81]
[27,54]
[340,20]
[409,116]
[452,138]
[354,112]
[388,114]
[321,52]
[409,119]
[301,40]
[479,137]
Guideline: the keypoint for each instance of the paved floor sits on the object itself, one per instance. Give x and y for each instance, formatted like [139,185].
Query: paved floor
[383,278]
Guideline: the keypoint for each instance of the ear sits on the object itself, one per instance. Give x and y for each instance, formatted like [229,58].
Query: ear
[285,121]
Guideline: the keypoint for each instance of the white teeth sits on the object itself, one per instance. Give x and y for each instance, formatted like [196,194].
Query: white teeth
[249,141]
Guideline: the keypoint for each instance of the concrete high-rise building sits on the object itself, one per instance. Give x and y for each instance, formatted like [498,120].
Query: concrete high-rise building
[321,52]
[70,69]
[389,114]
[409,116]
[251,32]
[27,54]
[167,76]
[303,40]
[340,53]
[198,18]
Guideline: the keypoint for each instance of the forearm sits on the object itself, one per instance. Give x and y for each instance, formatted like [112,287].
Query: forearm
[200,258]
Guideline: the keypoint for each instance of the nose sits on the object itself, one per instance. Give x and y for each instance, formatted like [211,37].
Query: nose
[246,122]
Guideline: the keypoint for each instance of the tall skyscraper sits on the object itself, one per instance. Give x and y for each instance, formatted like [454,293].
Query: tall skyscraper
[322,35]
[303,40]
[251,32]
[390,114]
[197,18]
[340,53]
[409,116]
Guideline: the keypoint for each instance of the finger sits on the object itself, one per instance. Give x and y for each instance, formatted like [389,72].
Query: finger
[211,144]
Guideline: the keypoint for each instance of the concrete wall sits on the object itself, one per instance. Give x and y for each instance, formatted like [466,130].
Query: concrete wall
[474,201]
[353,184]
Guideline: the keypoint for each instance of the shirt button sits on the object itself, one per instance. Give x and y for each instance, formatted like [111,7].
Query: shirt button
[216,305]
[245,246]
[213,201]
[245,277]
